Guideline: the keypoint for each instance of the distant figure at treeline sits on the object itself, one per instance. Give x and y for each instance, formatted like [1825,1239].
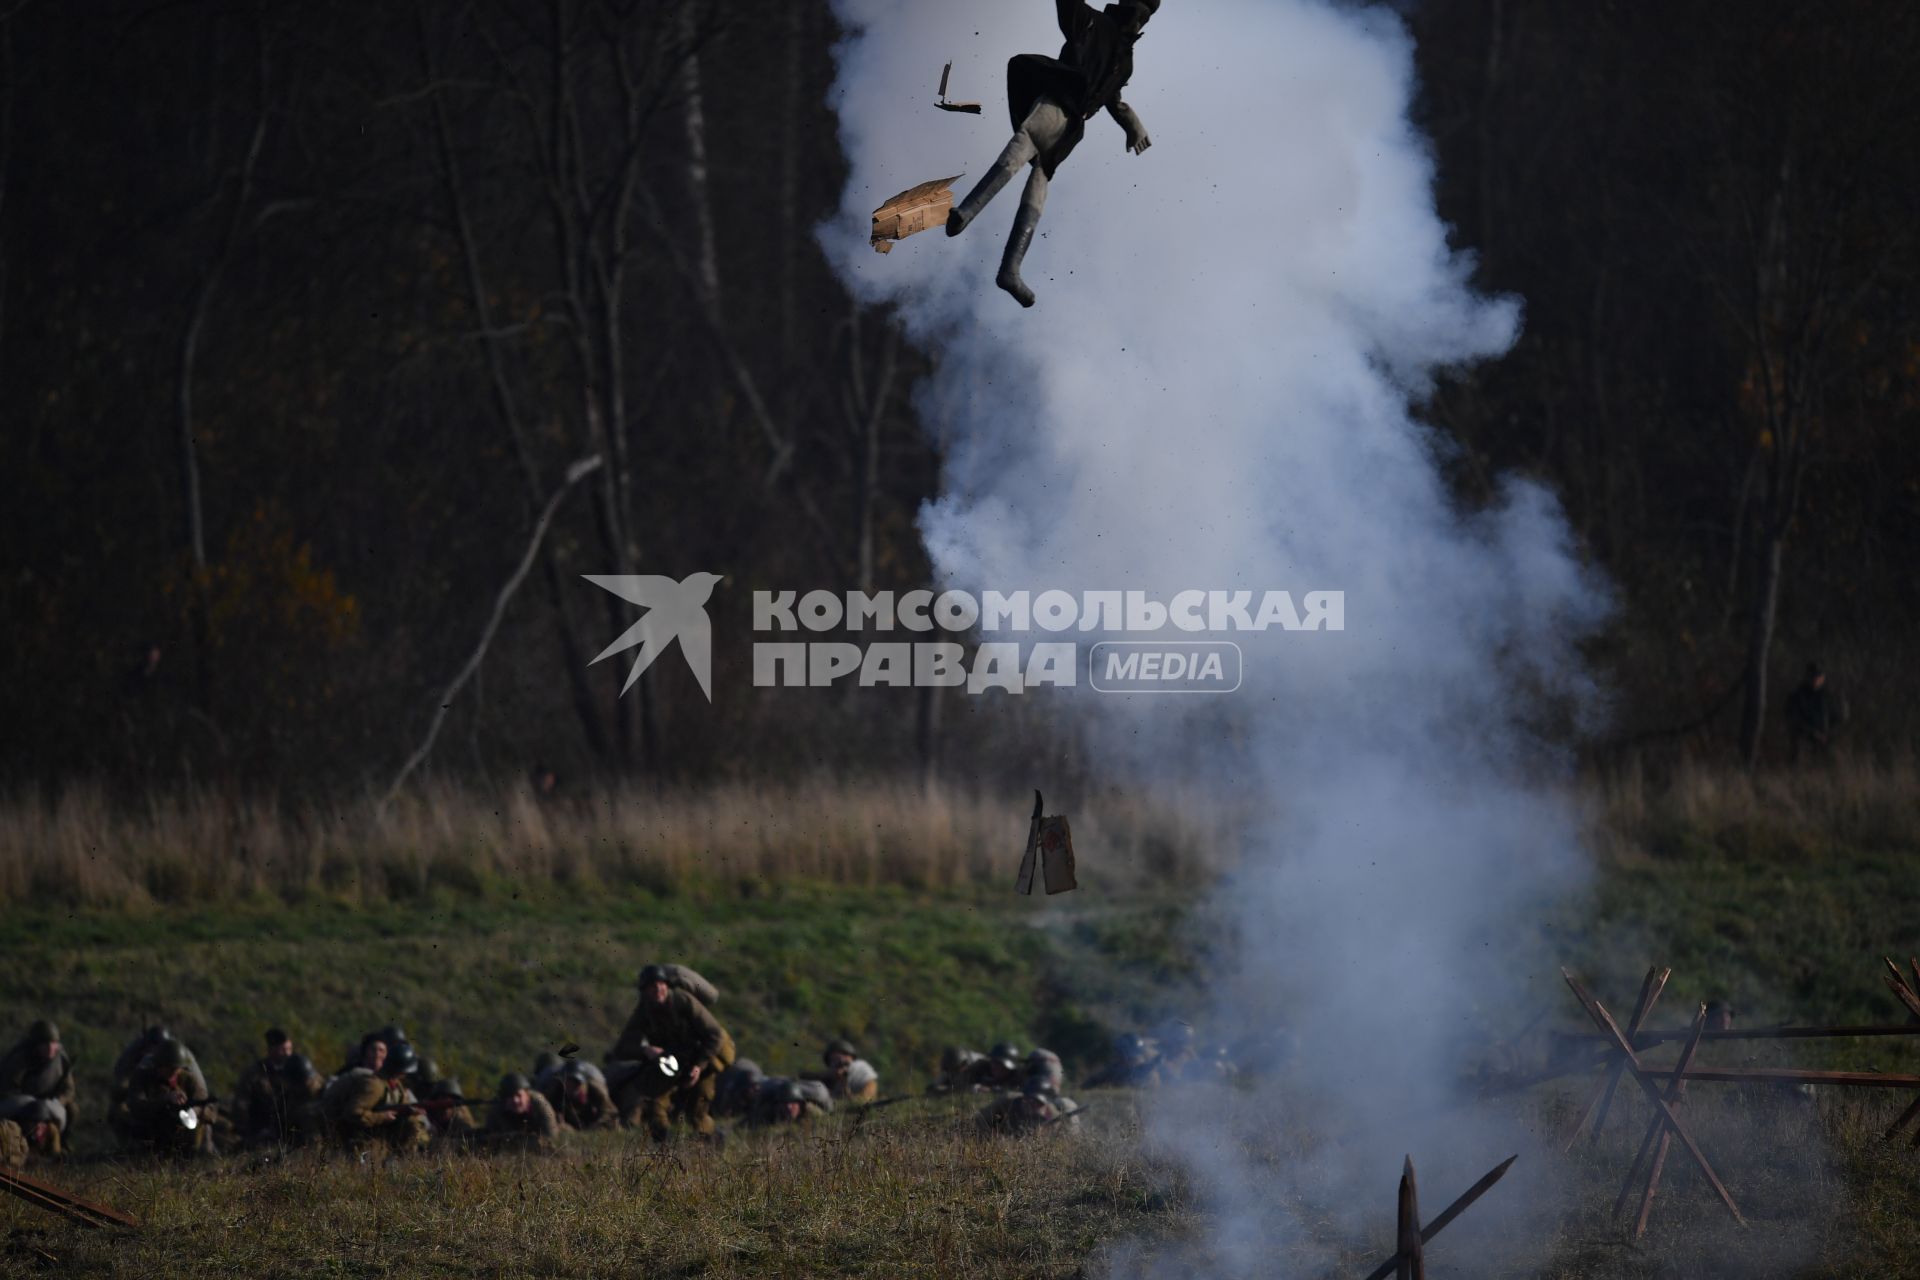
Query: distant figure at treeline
[1810,716]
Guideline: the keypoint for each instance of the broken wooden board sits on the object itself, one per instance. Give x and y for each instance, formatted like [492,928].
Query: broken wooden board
[970,108]
[912,211]
[1049,851]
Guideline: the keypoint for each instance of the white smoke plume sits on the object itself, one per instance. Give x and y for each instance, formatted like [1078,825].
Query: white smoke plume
[1214,392]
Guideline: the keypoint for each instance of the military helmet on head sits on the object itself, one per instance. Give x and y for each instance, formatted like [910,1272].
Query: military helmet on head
[426,1072]
[43,1032]
[297,1069]
[548,1061]
[652,973]
[401,1060]
[1175,1034]
[1005,1051]
[513,1082]
[393,1033]
[841,1045]
[167,1056]
[449,1088]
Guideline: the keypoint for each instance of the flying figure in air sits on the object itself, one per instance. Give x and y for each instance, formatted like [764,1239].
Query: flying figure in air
[1051,100]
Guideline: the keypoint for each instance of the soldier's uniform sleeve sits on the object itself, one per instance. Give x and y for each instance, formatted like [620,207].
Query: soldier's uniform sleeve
[711,1045]
[196,1089]
[863,1082]
[633,1041]
[65,1092]
[350,1104]
[544,1123]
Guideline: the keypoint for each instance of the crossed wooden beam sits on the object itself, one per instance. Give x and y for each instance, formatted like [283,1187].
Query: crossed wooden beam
[1665,1087]
[1409,1260]
[1665,1124]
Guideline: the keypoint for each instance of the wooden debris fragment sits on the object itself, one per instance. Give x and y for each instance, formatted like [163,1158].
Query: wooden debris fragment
[969,108]
[912,211]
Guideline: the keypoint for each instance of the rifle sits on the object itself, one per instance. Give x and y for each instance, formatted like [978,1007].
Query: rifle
[1064,1115]
[430,1105]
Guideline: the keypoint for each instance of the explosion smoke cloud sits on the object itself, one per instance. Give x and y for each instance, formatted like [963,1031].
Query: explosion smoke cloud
[1216,388]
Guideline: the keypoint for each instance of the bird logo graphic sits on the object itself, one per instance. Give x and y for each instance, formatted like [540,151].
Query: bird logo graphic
[674,611]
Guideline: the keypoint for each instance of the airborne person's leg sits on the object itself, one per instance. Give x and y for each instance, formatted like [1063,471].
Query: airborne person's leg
[1040,130]
[1032,202]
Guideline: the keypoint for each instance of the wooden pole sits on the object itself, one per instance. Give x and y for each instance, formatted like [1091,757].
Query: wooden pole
[64,1203]
[1602,1097]
[1654,1128]
[1413,1265]
[1906,1117]
[1447,1215]
[1674,1092]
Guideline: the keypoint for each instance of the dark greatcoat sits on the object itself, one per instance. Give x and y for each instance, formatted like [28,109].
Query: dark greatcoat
[1094,65]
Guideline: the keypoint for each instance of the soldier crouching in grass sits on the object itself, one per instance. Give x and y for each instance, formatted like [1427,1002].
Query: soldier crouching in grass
[366,1107]
[167,1108]
[36,1087]
[668,1059]
[273,1092]
[848,1077]
[738,1088]
[520,1119]
[1034,1107]
[789,1102]
[579,1097]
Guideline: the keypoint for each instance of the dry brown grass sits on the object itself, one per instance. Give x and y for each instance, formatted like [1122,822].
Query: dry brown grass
[1848,801]
[83,849]
[908,1195]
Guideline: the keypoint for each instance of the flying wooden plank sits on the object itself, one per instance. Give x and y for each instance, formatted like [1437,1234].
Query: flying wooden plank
[912,211]
[1049,851]
[970,108]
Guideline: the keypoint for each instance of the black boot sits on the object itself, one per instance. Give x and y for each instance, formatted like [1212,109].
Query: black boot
[1024,225]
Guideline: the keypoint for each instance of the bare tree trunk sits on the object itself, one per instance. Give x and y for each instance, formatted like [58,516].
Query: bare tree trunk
[1766,602]
[6,154]
[505,404]
[575,473]
[190,336]
[793,32]
[706,256]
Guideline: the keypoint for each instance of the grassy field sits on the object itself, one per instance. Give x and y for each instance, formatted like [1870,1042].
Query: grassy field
[1779,900]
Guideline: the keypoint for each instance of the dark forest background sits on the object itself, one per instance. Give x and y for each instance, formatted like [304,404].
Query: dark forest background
[305,312]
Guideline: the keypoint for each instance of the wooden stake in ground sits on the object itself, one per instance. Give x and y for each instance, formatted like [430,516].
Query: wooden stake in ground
[64,1203]
[1412,1265]
[1897,983]
[1650,988]
[1446,1216]
[1658,1141]
[1605,1022]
